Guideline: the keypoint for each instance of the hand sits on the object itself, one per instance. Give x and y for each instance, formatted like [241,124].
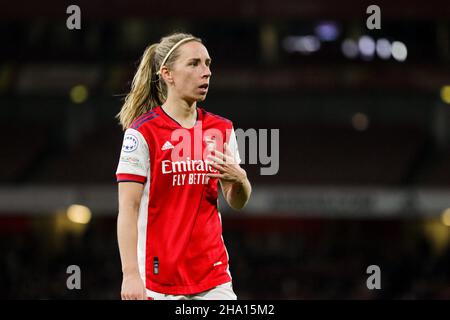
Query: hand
[133,288]
[229,170]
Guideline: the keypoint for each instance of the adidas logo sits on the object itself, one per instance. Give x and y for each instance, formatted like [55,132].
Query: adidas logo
[167,146]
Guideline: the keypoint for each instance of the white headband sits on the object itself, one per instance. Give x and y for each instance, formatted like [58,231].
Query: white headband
[171,50]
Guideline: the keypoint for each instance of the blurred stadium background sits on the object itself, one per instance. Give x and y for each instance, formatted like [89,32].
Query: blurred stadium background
[364,119]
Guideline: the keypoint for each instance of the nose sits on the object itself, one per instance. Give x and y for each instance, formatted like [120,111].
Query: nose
[206,72]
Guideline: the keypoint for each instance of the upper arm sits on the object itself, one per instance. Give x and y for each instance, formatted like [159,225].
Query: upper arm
[130,194]
[133,169]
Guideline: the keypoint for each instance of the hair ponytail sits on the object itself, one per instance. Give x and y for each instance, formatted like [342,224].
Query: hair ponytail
[145,90]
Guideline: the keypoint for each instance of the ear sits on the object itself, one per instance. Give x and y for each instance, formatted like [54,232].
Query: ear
[166,74]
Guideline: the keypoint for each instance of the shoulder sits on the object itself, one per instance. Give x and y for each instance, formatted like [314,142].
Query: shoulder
[144,120]
[142,127]
[212,117]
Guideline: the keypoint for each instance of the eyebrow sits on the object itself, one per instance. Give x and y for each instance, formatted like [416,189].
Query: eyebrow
[198,59]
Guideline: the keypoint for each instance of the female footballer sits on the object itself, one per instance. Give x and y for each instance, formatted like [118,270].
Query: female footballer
[173,155]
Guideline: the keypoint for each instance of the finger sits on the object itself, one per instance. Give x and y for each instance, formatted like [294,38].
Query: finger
[227,157]
[214,159]
[219,154]
[229,154]
[217,166]
[227,160]
[215,175]
[132,296]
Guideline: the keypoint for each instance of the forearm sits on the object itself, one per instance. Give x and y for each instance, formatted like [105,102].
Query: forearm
[127,239]
[239,194]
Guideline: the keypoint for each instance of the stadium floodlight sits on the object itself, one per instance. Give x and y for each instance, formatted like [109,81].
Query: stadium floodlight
[383,48]
[327,30]
[303,44]
[79,214]
[366,47]
[445,217]
[445,94]
[399,51]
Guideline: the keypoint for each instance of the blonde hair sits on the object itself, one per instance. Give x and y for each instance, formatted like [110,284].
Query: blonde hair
[148,89]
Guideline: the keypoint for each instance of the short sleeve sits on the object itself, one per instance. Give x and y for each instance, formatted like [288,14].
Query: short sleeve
[233,146]
[134,159]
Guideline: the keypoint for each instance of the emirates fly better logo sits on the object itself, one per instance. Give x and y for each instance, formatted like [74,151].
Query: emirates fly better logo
[183,169]
[190,165]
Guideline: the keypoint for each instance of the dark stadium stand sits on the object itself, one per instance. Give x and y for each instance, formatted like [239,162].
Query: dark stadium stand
[271,258]
[92,160]
[23,148]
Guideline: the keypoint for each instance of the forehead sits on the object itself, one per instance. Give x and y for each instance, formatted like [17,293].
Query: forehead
[193,49]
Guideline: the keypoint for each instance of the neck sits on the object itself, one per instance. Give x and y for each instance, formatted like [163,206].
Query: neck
[182,111]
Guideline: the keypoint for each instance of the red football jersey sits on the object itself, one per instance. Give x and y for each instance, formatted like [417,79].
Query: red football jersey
[180,244]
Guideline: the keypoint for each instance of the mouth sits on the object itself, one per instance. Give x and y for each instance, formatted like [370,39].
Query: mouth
[204,88]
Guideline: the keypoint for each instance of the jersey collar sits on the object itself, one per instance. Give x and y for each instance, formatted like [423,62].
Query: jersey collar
[174,122]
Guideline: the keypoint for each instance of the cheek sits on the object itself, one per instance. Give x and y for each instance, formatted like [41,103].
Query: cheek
[186,81]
